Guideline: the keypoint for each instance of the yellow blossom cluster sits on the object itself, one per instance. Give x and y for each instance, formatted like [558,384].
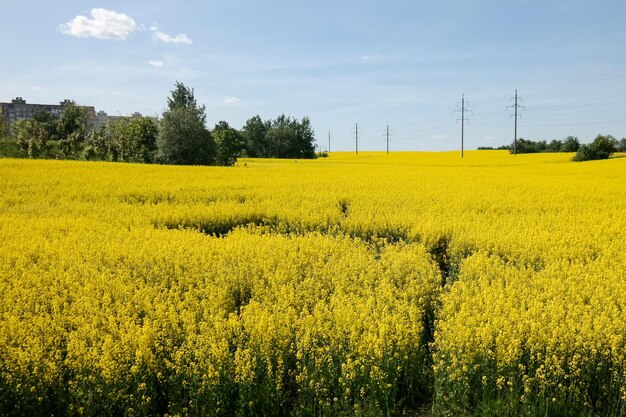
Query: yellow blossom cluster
[532,340]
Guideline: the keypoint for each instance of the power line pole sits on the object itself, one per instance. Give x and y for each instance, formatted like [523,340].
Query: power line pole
[515,116]
[463,119]
[329,141]
[356,138]
[387,139]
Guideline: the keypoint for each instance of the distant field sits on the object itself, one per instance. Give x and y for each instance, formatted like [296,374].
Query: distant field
[352,285]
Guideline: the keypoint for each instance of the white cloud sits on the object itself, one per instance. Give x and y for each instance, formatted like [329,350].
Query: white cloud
[231,101]
[369,56]
[154,28]
[155,63]
[180,39]
[104,24]
[440,136]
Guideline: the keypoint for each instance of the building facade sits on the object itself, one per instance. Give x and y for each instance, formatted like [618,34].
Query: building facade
[18,109]
[102,118]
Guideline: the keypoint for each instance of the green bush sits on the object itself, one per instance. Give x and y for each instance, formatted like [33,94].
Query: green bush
[601,148]
[585,153]
[10,149]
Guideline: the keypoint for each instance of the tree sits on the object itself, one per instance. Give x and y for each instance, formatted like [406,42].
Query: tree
[32,137]
[130,139]
[570,144]
[254,135]
[604,146]
[601,148]
[290,138]
[72,127]
[4,124]
[183,137]
[182,96]
[528,146]
[117,139]
[303,145]
[96,147]
[586,152]
[622,145]
[229,144]
[283,137]
[144,133]
[71,144]
[554,146]
[278,137]
[49,122]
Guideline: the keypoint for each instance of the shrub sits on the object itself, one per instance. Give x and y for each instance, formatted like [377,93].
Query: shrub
[89,153]
[570,144]
[601,148]
[586,152]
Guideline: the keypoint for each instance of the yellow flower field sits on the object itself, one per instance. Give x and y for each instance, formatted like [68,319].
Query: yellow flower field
[352,285]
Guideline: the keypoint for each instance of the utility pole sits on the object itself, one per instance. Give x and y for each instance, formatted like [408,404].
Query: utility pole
[329,142]
[387,139]
[515,116]
[463,119]
[356,138]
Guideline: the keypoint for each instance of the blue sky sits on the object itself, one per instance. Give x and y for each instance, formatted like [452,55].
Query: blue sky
[371,62]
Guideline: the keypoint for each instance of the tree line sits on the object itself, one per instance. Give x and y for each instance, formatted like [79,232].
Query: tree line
[602,147]
[179,137]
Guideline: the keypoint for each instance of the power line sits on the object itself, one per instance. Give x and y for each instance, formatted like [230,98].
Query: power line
[576,86]
[598,101]
[450,127]
[577,123]
[551,108]
[495,113]
[424,128]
